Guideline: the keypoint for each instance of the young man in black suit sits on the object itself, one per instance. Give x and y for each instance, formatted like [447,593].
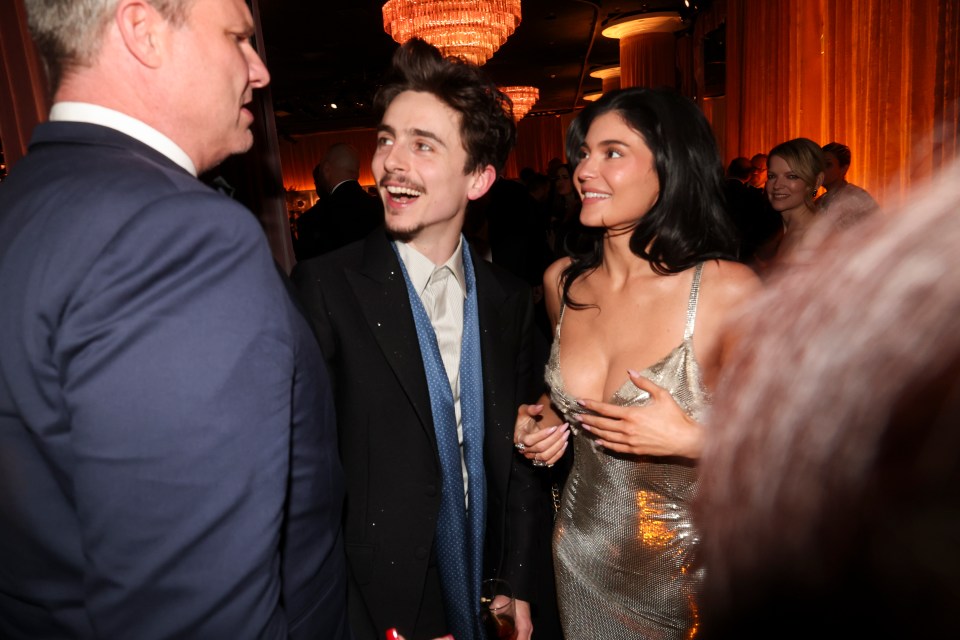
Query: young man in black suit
[430,350]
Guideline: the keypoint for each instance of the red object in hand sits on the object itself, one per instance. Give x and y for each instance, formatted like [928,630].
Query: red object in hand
[393,634]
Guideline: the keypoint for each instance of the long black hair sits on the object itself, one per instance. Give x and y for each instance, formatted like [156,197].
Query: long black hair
[688,223]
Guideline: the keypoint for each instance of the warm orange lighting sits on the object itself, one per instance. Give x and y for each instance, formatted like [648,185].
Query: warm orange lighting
[632,25]
[592,97]
[523,99]
[603,73]
[469,29]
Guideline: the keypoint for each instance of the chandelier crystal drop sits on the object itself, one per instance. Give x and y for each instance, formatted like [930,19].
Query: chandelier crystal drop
[469,29]
[523,99]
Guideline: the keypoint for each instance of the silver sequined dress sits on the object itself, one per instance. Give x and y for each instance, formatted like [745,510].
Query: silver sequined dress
[624,543]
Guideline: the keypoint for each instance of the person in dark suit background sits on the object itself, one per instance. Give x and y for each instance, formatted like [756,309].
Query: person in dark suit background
[344,213]
[430,348]
[168,460]
[748,208]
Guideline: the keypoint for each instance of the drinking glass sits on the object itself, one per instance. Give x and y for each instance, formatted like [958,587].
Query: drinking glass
[498,609]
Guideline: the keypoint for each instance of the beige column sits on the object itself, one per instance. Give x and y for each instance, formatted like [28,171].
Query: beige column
[610,76]
[648,56]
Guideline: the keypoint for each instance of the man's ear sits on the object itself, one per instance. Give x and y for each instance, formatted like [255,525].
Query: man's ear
[819,181]
[142,29]
[483,179]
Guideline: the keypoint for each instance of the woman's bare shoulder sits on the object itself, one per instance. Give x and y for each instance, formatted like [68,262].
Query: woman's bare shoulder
[551,277]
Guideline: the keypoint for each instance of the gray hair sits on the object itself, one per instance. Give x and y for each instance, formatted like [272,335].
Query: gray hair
[68,33]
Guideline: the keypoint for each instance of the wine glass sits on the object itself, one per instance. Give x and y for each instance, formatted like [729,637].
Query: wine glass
[498,609]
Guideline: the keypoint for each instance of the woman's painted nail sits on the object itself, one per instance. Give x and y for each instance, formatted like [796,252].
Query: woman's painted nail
[393,634]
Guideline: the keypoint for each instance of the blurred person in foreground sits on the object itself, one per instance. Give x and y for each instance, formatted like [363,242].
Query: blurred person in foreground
[830,496]
[430,348]
[168,462]
[637,319]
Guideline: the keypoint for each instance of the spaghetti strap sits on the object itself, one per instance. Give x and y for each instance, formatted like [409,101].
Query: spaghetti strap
[560,319]
[692,304]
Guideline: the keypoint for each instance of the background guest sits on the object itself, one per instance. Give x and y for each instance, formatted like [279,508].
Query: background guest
[756,221]
[563,207]
[345,211]
[794,175]
[843,203]
[759,177]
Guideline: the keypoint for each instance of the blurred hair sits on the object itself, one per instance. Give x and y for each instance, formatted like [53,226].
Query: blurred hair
[69,33]
[806,160]
[554,170]
[830,482]
[486,123]
[740,168]
[757,157]
[840,151]
[687,224]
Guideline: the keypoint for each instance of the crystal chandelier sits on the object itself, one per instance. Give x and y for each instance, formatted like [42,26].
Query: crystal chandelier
[523,99]
[469,29]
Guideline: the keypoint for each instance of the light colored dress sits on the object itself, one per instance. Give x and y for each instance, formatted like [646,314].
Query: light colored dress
[624,544]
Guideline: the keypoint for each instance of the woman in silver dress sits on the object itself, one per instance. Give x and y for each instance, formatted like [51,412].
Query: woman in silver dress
[627,369]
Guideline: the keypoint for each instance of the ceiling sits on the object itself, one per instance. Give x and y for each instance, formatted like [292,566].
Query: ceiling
[326,52]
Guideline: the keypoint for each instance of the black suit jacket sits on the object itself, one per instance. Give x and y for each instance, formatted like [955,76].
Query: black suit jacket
[357,300]
[346,215]
[756,221]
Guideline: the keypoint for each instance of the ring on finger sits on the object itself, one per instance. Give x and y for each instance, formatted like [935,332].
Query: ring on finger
[520,447]
[539,463]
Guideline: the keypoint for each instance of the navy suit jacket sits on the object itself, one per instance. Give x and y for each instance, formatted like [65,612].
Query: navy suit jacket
[357,300]
[168,463]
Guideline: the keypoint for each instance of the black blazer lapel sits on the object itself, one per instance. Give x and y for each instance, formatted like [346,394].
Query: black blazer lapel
[382,295]
[499,368]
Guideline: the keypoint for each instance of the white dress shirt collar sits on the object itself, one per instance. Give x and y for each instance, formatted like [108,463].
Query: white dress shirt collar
[420,268]
[96,114]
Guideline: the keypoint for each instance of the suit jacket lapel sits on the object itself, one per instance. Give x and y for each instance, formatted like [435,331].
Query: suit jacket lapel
[382,294]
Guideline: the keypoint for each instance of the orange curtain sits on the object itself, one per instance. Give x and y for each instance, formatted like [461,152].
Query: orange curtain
[298,156]
[880,76]
[539,140]
[23,94]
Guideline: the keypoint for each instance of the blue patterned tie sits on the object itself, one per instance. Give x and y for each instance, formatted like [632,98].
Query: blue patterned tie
[459,542]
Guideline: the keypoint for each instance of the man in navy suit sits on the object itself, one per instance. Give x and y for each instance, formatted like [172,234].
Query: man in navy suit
[168,463]
[430,351]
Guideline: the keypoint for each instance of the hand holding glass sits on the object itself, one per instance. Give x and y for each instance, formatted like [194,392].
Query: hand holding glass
[498,610]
